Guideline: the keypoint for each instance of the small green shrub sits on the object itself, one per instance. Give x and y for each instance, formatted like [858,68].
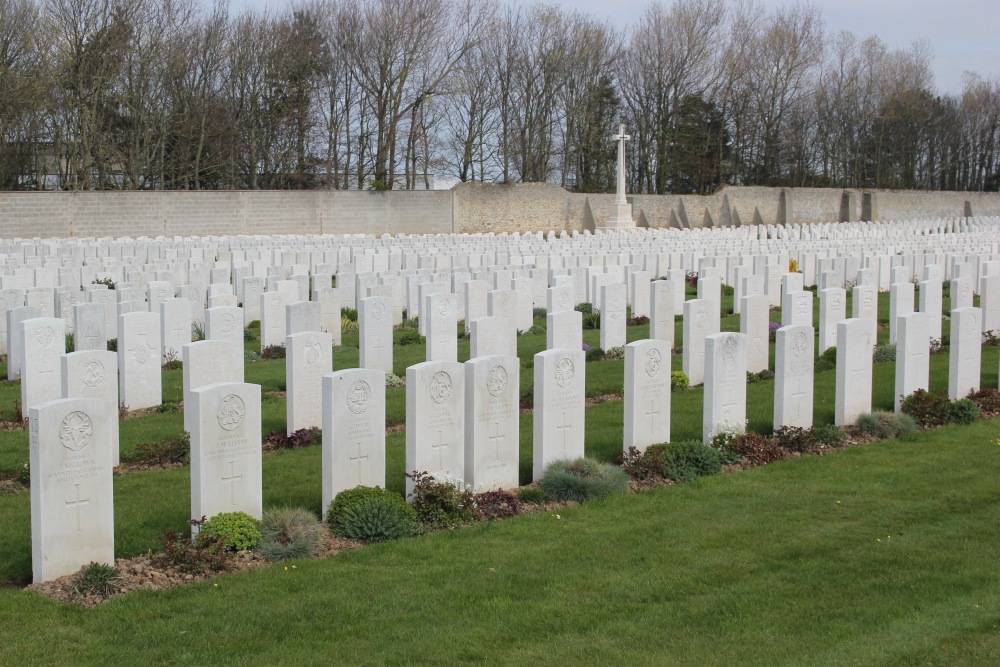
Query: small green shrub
[885,425]
[678,381]
[251,356]
[254,324]
[440,504]
[539,313]
[987,399]
[348,326]
[533,495]
[793,439]
[582,479]
[249,335]
[927,408]
[535,330]
[164,452]
[594,354]
[679,461]
[112,345]
[169,406]
[349,313]
[70,343]
[964,411]
[884,352]
[492,505]
[24,475]
[584,308]
[273,352]
[207,553]
[637,321]
[173,365]
[104,281]
[303,437]
[289,532]
[371,514]
[412,338]
[591,320]
[238,530]
[97,579]
[828,435]
[754,449]
[615,353]
[393,380]
[827,361]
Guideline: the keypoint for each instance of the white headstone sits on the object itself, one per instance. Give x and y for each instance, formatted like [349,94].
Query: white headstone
[912,356]
[854,370]
[309,356]
[613,316]
[302,316]
[492,336]
[441,317]
[206,362]
[492,423]
[93,374]
[43,341]
[754,324]
[15,351]
[647,394]
[224,323]
[697,325]
[435,421]
[832,309]
[965,351]
[139,357]
[793,377]
[725,404]
[226,470]
[564,330]
[90,333]
[559,395]
[175,326]
[375,333]
[72,505]
[900,303]
[353,431]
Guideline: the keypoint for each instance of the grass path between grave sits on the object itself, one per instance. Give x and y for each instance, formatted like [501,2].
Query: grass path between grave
[882,554]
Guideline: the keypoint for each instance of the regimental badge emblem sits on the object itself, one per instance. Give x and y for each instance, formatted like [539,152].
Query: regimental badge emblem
[228,323]
[378,312]
[76,431]
[232,412]
[729,349]
[359,397]
[496,381]
[440,388]
[313,353]
[654,362]
[799,344]
[45,336]
[94,374]
[565,371]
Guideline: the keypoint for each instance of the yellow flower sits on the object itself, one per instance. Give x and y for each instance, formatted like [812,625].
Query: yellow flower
[286,568]
[215,585]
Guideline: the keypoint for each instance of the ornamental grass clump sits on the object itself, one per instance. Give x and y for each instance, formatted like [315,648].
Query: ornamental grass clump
[964,411]
[289,532]
[582,479]
[884,425]
[371,514]
[97,579]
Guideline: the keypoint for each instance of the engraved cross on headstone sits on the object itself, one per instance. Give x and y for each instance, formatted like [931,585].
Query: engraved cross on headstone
[497,438]
[232,479]
[75,504]
[358,459]
[440,447]
[563,429]
[652,414]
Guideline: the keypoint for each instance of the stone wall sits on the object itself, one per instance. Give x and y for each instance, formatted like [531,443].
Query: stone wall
[468,208]
[100,214]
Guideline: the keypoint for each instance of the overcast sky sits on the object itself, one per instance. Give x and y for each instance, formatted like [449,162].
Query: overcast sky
[964,34]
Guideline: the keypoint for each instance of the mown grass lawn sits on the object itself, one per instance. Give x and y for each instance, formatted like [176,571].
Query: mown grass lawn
[873,555]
